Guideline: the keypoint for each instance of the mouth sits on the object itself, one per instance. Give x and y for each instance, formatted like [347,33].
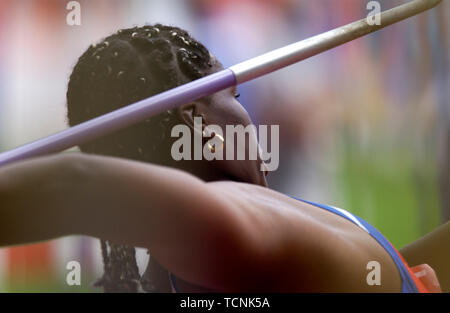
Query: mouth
[265,168]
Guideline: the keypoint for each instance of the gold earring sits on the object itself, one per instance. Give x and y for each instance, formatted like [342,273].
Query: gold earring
[211,147]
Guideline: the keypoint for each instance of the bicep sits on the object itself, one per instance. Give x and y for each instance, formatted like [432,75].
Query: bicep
[187,225]
[432,249]
[207,234]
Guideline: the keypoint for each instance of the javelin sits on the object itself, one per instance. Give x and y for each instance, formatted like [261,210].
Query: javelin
[232,76]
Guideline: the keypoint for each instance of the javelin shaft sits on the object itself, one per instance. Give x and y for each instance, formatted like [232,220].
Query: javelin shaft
[121,118]
[296,52]
[208,85]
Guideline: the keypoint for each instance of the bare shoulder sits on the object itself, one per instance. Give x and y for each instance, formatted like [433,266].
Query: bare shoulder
[253,194]
[319,248]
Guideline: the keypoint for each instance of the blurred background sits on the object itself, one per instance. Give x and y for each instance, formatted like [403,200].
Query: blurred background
[365,127]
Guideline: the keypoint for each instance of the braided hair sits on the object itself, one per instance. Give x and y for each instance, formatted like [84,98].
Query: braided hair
[126,67]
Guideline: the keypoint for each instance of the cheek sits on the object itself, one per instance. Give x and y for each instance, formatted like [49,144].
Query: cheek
[228,110]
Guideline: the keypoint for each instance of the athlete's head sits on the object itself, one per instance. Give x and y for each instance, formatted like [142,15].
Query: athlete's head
[134,64]
[137,63]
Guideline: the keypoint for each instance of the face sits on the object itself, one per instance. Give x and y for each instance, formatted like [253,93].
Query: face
[222,109]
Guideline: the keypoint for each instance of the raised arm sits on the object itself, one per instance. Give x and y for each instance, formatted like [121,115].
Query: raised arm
[225,236]
[432,249]
[181,219]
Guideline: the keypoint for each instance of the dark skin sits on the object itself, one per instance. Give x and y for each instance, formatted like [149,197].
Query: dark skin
[214,224]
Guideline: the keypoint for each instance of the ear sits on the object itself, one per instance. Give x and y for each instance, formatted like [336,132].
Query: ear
[187,112]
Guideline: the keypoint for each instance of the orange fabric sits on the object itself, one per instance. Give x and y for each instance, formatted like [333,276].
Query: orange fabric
[420,286]
[28,262]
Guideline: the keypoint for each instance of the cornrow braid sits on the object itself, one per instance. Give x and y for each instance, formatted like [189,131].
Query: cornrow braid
[123,68]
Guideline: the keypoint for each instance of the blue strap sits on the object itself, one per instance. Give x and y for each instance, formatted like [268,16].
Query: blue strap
[408,284]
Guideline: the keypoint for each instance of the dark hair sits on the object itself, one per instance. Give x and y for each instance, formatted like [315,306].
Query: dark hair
[123,68]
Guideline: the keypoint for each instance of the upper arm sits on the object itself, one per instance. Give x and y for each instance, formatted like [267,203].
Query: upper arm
[207,233]
[432,249]
[189,226]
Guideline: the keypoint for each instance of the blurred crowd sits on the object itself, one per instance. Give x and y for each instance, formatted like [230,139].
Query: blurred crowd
[365,126]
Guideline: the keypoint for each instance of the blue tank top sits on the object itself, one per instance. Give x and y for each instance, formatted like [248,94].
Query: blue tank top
[408,285]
